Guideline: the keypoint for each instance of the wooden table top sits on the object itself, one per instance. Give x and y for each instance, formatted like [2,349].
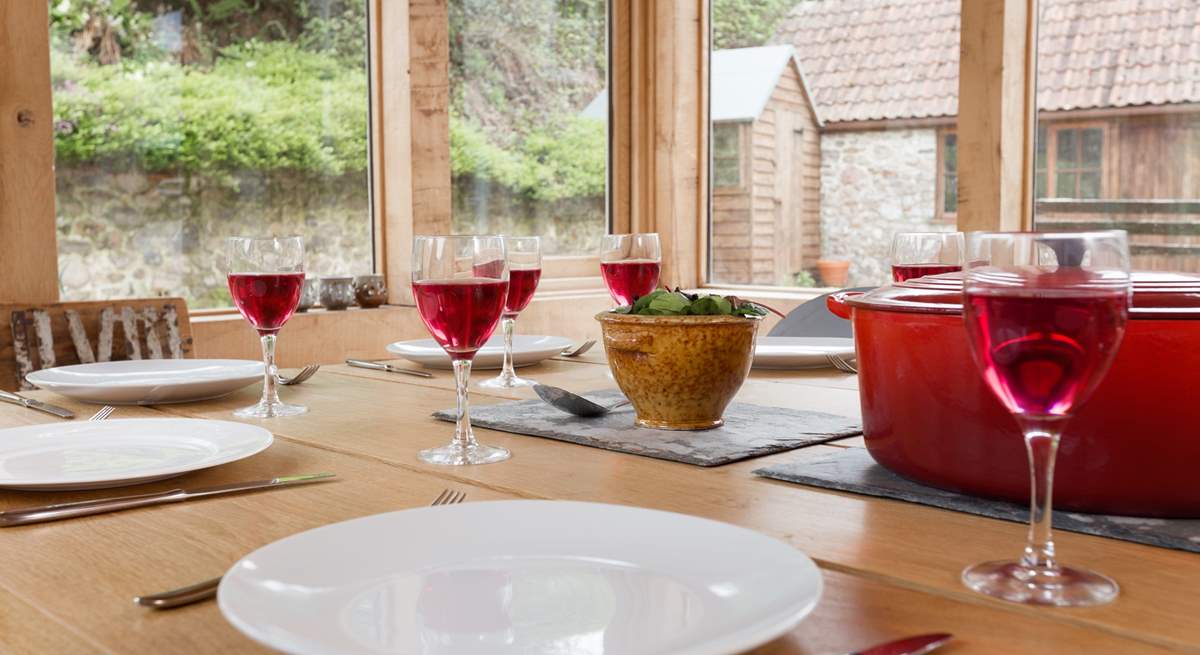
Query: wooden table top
[891,568]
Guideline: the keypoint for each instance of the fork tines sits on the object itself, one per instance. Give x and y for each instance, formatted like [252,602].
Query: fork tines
[448,497]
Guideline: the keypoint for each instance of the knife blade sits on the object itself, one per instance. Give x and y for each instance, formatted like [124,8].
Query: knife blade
[60,511]
[380,366]
[40,406]
[919,645]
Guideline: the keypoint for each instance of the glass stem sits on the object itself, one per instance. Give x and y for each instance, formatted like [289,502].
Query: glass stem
[464,437]
[1041,444]
[270,393]
[508,324]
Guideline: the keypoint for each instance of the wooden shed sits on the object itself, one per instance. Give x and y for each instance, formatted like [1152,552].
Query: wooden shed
[766,171]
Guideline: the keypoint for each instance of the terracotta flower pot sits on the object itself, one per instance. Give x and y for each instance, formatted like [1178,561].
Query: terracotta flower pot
[834,272]
[680,372]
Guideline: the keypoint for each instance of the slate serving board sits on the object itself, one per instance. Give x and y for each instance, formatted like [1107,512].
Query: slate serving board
[853,470]
[749,430]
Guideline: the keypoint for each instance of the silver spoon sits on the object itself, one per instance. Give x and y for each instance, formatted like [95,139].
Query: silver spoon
[574,403]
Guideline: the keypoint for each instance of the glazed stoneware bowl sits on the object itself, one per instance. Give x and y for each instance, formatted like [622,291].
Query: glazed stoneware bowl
[680,372]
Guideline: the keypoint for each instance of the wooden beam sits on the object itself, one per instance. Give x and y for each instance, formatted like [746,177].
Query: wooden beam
[996,114]
[28,245]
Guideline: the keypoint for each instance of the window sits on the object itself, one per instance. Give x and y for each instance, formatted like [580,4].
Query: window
[949,158]
[1119,147]
[178,124]
[528,113]
[727,156]
[847,137]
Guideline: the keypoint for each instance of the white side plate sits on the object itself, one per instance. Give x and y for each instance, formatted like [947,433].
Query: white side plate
[799,352]
[527,350]
[149,381]
[118,452]
[528,577]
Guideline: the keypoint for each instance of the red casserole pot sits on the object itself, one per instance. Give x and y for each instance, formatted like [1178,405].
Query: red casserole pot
[1132,449]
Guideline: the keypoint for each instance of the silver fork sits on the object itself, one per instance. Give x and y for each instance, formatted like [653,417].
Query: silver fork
[104,413]
[304,374]
[840,363]
[583,347]
[208,589]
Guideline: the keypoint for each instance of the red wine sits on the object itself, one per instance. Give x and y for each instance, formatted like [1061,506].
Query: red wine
[629,280]
[461,314]
[1043,351]
[522,282]
[902,272]
[267,300]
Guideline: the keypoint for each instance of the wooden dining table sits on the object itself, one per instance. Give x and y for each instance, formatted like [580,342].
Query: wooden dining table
[891,568]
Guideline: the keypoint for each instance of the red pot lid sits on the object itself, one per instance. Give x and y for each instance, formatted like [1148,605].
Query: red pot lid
[1155,295]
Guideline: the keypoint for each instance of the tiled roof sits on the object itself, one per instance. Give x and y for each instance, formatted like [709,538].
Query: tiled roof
[895,59]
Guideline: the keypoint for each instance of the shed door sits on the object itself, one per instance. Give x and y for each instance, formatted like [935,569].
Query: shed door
[789,190]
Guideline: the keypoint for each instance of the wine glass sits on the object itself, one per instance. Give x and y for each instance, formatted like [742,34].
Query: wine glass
[1044,314]
[630,264]
[524,271]
[460,284]
[916,254]
[266,278]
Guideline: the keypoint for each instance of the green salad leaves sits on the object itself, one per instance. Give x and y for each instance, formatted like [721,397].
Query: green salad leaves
[664,302]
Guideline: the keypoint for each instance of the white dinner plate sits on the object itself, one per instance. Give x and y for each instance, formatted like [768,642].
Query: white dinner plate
[527,350]
[118,452]
[532,577]
[149,381]
[799,352]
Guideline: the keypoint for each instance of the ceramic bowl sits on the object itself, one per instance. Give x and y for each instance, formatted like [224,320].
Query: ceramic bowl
[370,290]
[310,295]
[337,292]
[680,372]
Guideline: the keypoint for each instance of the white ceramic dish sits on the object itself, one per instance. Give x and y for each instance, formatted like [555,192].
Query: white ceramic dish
[799,352]
[527,350]
[529,577]
[119,452]
[149,381]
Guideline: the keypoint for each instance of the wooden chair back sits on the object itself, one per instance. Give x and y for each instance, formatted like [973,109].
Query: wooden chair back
[37,337]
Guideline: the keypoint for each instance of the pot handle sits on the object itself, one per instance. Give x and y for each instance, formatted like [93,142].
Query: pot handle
[836,302]
[631,342]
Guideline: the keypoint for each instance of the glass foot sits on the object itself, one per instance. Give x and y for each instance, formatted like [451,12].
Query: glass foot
[1062,587]
[270,410]
[503,381]
[454,455]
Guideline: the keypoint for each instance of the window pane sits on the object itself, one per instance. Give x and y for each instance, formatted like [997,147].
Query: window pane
[725,140]
[1039,184]
[1065,154]
[1039,152]
[1129,93]
[950,154]
[836,166]
[1064,185]
[950,194]
[178,124]
[528,141]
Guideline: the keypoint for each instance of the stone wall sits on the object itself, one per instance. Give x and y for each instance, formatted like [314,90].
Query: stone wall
[874,184]
[126,235]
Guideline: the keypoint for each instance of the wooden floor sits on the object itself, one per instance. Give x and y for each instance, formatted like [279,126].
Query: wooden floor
[891,568]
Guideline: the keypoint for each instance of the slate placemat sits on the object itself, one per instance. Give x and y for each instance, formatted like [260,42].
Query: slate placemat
[853,470]
[749,430]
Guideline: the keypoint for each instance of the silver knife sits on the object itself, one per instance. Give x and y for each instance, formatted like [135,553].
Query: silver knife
[40,406]
[380,366]
[919,645]
[102,505]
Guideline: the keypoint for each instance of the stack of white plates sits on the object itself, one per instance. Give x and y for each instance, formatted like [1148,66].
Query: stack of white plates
[527,351]
[800,352]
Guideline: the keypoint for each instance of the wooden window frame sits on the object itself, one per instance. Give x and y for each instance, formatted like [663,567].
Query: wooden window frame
[1053,128]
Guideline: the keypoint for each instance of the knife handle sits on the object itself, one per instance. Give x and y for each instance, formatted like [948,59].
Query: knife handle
[377,366]
[86,508]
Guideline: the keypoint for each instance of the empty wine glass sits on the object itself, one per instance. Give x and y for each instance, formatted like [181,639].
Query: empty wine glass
[630,265]
[917,254]
[460,284]
[1045,314]
[266,277]
[524,271]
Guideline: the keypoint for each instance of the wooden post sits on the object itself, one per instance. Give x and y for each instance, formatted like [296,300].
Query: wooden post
[28,247]
[997,122]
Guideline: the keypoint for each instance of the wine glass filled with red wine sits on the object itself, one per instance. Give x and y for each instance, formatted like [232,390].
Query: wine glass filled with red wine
[1045,314]
[917,254]
[461,284]
[266,276]
[524,271]
[630,264]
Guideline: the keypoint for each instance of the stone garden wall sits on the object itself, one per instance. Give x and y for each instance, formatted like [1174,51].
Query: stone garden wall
[873,184]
